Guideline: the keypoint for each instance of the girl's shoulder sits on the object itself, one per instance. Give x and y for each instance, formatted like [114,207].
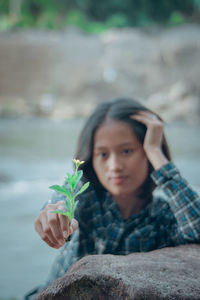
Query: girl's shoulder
[159,205]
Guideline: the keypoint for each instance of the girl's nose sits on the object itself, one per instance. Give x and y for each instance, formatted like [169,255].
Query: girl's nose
[114,163]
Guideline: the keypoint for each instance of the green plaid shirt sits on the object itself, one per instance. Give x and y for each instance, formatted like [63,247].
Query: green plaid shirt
[172,218]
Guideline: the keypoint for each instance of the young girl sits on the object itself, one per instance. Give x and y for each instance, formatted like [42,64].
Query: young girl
[126,156]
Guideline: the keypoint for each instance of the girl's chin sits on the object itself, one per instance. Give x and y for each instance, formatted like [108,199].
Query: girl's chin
[125,194]
[122,194]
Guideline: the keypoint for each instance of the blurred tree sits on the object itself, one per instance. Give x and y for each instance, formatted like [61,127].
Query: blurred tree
[157,10]
[108,13]
[15,7]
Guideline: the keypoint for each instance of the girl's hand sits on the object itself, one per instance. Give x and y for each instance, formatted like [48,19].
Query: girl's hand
[54,228]
[153,138]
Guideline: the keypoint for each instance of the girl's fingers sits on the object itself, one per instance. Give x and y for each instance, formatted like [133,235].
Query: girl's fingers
[146,118]
[45,234]
[138,118]
[146,113]
[64,225]
[64,221]
[154,126]
[73,226]
[67,228]
[154,134]
[153,139]
[54,228]
[54,225]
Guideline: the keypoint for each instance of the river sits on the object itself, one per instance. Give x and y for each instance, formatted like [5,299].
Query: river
[34,154]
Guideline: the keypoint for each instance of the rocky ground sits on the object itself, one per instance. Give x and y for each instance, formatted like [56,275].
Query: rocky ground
[164,274]
[64,74]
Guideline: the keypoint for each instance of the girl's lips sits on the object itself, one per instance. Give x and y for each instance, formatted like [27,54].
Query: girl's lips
[119,179]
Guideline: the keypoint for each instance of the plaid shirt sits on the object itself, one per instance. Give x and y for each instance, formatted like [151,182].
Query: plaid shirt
[172,218]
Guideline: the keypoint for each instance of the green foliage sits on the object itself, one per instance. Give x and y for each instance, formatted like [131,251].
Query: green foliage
[117,20]
[72,181]
[96,16]
[176,19]
[78,19]
[5,23]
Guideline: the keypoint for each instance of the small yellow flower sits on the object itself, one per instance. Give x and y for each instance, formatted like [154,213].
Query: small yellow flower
[78,163]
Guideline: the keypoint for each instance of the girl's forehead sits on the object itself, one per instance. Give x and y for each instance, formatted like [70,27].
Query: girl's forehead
[111,124]
[108,122]
[114,131]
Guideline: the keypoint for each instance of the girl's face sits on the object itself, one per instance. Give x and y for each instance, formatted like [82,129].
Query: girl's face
[119,160]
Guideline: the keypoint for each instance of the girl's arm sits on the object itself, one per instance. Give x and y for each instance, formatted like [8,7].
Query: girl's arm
[183,200]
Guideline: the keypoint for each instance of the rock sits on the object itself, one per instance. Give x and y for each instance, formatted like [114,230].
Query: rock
[168,273]
[180,102]
[78,70]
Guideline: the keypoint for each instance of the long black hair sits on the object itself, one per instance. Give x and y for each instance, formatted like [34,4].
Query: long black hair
[119,110]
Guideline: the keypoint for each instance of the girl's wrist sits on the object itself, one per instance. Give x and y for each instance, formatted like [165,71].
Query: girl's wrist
[157,158]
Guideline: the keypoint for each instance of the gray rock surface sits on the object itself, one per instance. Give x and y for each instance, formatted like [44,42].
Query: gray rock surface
[167,274]
[64,74]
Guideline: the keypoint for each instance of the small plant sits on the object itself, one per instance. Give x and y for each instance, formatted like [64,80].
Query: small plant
[72,180]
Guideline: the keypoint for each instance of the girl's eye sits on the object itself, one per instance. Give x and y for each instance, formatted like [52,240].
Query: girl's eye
[103,154]
[127,151]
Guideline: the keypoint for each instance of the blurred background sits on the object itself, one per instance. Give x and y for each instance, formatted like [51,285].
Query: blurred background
[58,59]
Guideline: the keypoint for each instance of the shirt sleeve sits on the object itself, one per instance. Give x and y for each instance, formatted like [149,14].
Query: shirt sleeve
[183,200]
[68,254]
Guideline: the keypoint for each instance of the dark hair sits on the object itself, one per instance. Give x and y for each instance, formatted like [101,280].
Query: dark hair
[120,110]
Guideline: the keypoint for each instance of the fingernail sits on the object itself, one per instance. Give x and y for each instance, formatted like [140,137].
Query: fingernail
[65,234]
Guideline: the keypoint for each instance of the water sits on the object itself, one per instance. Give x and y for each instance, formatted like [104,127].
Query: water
[35,154]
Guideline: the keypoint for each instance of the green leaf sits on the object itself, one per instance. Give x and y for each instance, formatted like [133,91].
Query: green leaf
[68,194]
[75,205]
[62,190]
[74,179]
[83,188]
[70,181]
[61,212]
[65,213]
[77,177]
[68,205]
